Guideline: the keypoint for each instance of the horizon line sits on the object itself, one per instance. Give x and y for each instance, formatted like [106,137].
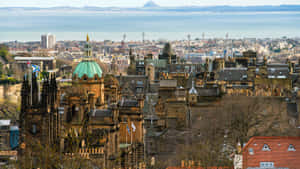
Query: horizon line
[95,6]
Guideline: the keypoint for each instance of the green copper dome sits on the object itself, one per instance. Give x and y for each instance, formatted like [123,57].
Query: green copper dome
[89,68]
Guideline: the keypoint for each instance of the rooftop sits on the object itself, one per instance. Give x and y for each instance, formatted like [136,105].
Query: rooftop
[90,68]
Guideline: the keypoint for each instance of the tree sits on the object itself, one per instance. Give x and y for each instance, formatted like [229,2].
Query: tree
[1,70]
[4,53]
[258,116]
[217,129]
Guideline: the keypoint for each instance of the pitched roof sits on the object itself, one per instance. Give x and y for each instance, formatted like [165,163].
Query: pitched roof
[266,138]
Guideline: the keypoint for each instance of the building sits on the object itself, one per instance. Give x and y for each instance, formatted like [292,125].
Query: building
[48,41]
[272,152]
[90,111]
[9,135]
[40,124]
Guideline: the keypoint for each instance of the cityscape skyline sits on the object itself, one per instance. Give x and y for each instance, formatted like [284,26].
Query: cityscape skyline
[150,84]
[140,3]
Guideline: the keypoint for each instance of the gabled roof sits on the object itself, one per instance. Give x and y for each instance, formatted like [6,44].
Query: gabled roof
[269,138]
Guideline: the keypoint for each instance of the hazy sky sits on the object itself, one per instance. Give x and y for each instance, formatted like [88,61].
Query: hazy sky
[138,3]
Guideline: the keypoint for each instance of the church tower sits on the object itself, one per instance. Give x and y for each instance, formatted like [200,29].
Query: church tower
[87,76]
[38,120]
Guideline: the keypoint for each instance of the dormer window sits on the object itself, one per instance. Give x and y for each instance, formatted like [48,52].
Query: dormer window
[291,148]
[266,148]
[251,151]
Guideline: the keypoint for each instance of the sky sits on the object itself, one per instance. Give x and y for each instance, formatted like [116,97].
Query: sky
[139,3]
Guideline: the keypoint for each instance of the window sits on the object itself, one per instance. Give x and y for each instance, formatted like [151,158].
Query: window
[251,151]
[34,129]
[139,82]
[266,148]
[291,148]
[267,164]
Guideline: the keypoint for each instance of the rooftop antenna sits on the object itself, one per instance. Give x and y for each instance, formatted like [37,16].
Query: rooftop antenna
[143,34]
[124,37]
[189,45]
[226,47]
[123,42]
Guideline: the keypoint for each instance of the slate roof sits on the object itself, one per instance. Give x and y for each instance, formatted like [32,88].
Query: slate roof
[278,72]
[102,113]
[129,103]
[158,63]
[168,83]
[233,74]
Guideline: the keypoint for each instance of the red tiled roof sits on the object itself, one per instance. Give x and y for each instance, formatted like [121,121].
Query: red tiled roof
[278,154]
[200,168]
[267,138]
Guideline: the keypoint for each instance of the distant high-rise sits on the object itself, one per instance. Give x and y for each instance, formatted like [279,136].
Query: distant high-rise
[48,41]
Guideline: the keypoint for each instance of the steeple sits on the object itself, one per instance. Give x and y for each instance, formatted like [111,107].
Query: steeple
[193,90]
[25,94]
[34,90]
[87,38]
[88,47]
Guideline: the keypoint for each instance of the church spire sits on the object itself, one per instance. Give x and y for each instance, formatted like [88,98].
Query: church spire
[88,47]
[87,38]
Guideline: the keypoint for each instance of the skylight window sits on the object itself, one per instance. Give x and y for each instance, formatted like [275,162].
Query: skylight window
[266,148]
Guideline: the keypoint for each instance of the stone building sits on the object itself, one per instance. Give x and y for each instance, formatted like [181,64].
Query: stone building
[85,118]
[40,124]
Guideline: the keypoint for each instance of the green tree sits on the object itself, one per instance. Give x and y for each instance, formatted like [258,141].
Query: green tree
[4,53]
[1,70]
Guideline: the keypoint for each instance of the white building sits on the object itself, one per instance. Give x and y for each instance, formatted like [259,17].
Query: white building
[48,41]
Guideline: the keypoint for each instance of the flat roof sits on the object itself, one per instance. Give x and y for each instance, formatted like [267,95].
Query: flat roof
[4,122]
[33,58]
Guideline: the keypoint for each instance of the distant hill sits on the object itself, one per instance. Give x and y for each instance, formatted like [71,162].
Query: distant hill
[151,4]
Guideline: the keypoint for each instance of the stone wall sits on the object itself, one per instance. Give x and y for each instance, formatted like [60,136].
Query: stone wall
[12,93]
